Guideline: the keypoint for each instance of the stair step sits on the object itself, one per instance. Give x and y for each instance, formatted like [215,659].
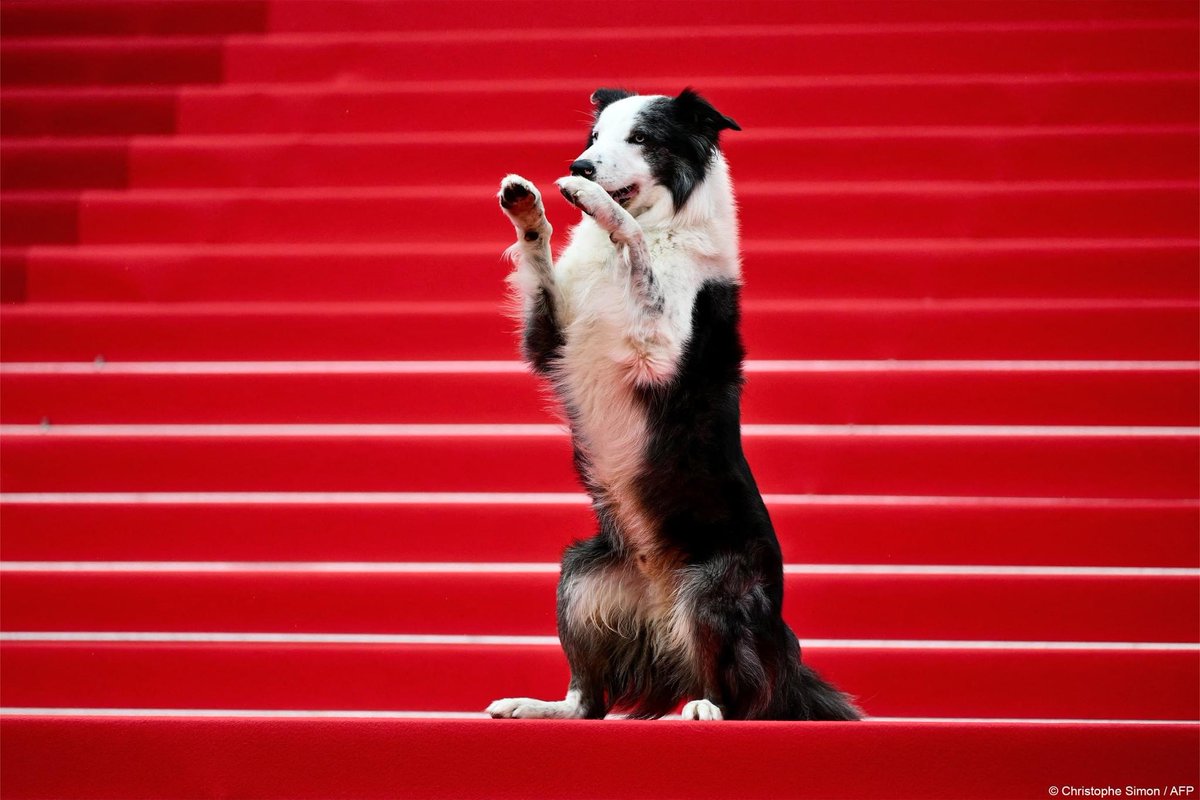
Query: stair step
[122,18]
[518,52]
[874,329]
[830,603]
[804,392]
[833,395]
[310,757]
[1026,100]
[382,527]
[270,575]
[1149,463]
[938,681]
[1080,153]
[814,269]
[768,210]
[226,17]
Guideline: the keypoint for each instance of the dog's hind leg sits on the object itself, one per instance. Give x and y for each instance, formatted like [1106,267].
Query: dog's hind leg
[748,658]
[590,603]
[528,708]
[533,278]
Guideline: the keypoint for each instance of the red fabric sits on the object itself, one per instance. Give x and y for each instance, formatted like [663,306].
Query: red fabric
[1164,466]
[1106,533]
[833,396]
[257,180]
[834,606]
[827,269]
[791,329]
[941,682]
[488,758]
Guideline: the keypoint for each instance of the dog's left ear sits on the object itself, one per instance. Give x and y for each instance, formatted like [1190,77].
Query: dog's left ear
[692,109]
[602,98]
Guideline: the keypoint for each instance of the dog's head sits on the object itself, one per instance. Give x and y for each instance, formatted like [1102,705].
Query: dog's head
[648,149]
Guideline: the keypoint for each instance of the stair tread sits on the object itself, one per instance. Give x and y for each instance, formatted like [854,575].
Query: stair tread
[872,329]
[834,461]
[292,598]
[311,757]
[1027,100]
[370,527]
[938,681]
[584,52]
[1150,395]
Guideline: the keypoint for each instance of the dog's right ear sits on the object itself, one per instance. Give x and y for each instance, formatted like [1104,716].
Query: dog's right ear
[603,98]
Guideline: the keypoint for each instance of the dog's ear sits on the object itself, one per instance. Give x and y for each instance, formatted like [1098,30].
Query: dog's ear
[603,98]
[693,110]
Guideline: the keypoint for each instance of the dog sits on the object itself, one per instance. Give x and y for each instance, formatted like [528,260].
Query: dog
[678,596]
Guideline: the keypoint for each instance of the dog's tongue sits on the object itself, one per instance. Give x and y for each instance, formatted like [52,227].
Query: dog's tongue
[624,193]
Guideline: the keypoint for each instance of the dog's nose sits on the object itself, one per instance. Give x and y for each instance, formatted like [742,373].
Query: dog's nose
[583,169]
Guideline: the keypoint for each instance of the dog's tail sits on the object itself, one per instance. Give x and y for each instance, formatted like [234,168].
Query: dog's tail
[818,700]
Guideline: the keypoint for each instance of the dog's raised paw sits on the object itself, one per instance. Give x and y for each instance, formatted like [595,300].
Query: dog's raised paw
[519,197]
[585,195]
[590,198]
[522,202]
[702,710]
[516,192]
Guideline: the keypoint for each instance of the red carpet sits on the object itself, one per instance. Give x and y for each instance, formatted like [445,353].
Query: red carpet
[281,512]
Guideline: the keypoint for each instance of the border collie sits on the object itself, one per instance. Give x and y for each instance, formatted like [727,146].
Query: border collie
[678,596]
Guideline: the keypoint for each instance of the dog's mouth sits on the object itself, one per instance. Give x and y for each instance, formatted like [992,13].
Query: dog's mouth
[624,194]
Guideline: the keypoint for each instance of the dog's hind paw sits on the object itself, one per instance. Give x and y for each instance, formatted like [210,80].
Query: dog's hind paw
[703,710]
[528,708]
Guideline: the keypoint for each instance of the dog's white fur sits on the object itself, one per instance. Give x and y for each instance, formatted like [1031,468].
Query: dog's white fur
[623,290]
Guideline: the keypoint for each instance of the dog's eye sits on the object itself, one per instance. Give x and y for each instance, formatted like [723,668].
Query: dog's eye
[639,138]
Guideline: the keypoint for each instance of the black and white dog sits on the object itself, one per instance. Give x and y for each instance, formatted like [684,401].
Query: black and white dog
[678,595]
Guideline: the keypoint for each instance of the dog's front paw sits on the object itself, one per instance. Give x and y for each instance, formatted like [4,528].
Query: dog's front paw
[585,195]
[522,202]
[702,709]
[590,198]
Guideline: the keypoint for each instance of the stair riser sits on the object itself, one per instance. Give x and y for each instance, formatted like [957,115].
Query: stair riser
[1162,467]
[132,333]
[568,54]
[797,269]
[225,111]
[996,398]
[939,607]
[243,163]
[224,17]
[1112,534]
[801,212]
[949,683]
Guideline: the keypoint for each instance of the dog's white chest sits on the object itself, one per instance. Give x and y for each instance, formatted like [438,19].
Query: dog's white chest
[609,354]
[609,422]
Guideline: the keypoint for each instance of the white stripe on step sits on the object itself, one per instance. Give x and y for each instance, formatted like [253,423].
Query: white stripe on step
[302,498]
[368,430]
[559,499]
[552,641]
[245,713]
[238,713]
[456,567]
[516,367]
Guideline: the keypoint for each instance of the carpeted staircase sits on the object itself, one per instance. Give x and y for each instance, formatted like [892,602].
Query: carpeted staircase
[281,511]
